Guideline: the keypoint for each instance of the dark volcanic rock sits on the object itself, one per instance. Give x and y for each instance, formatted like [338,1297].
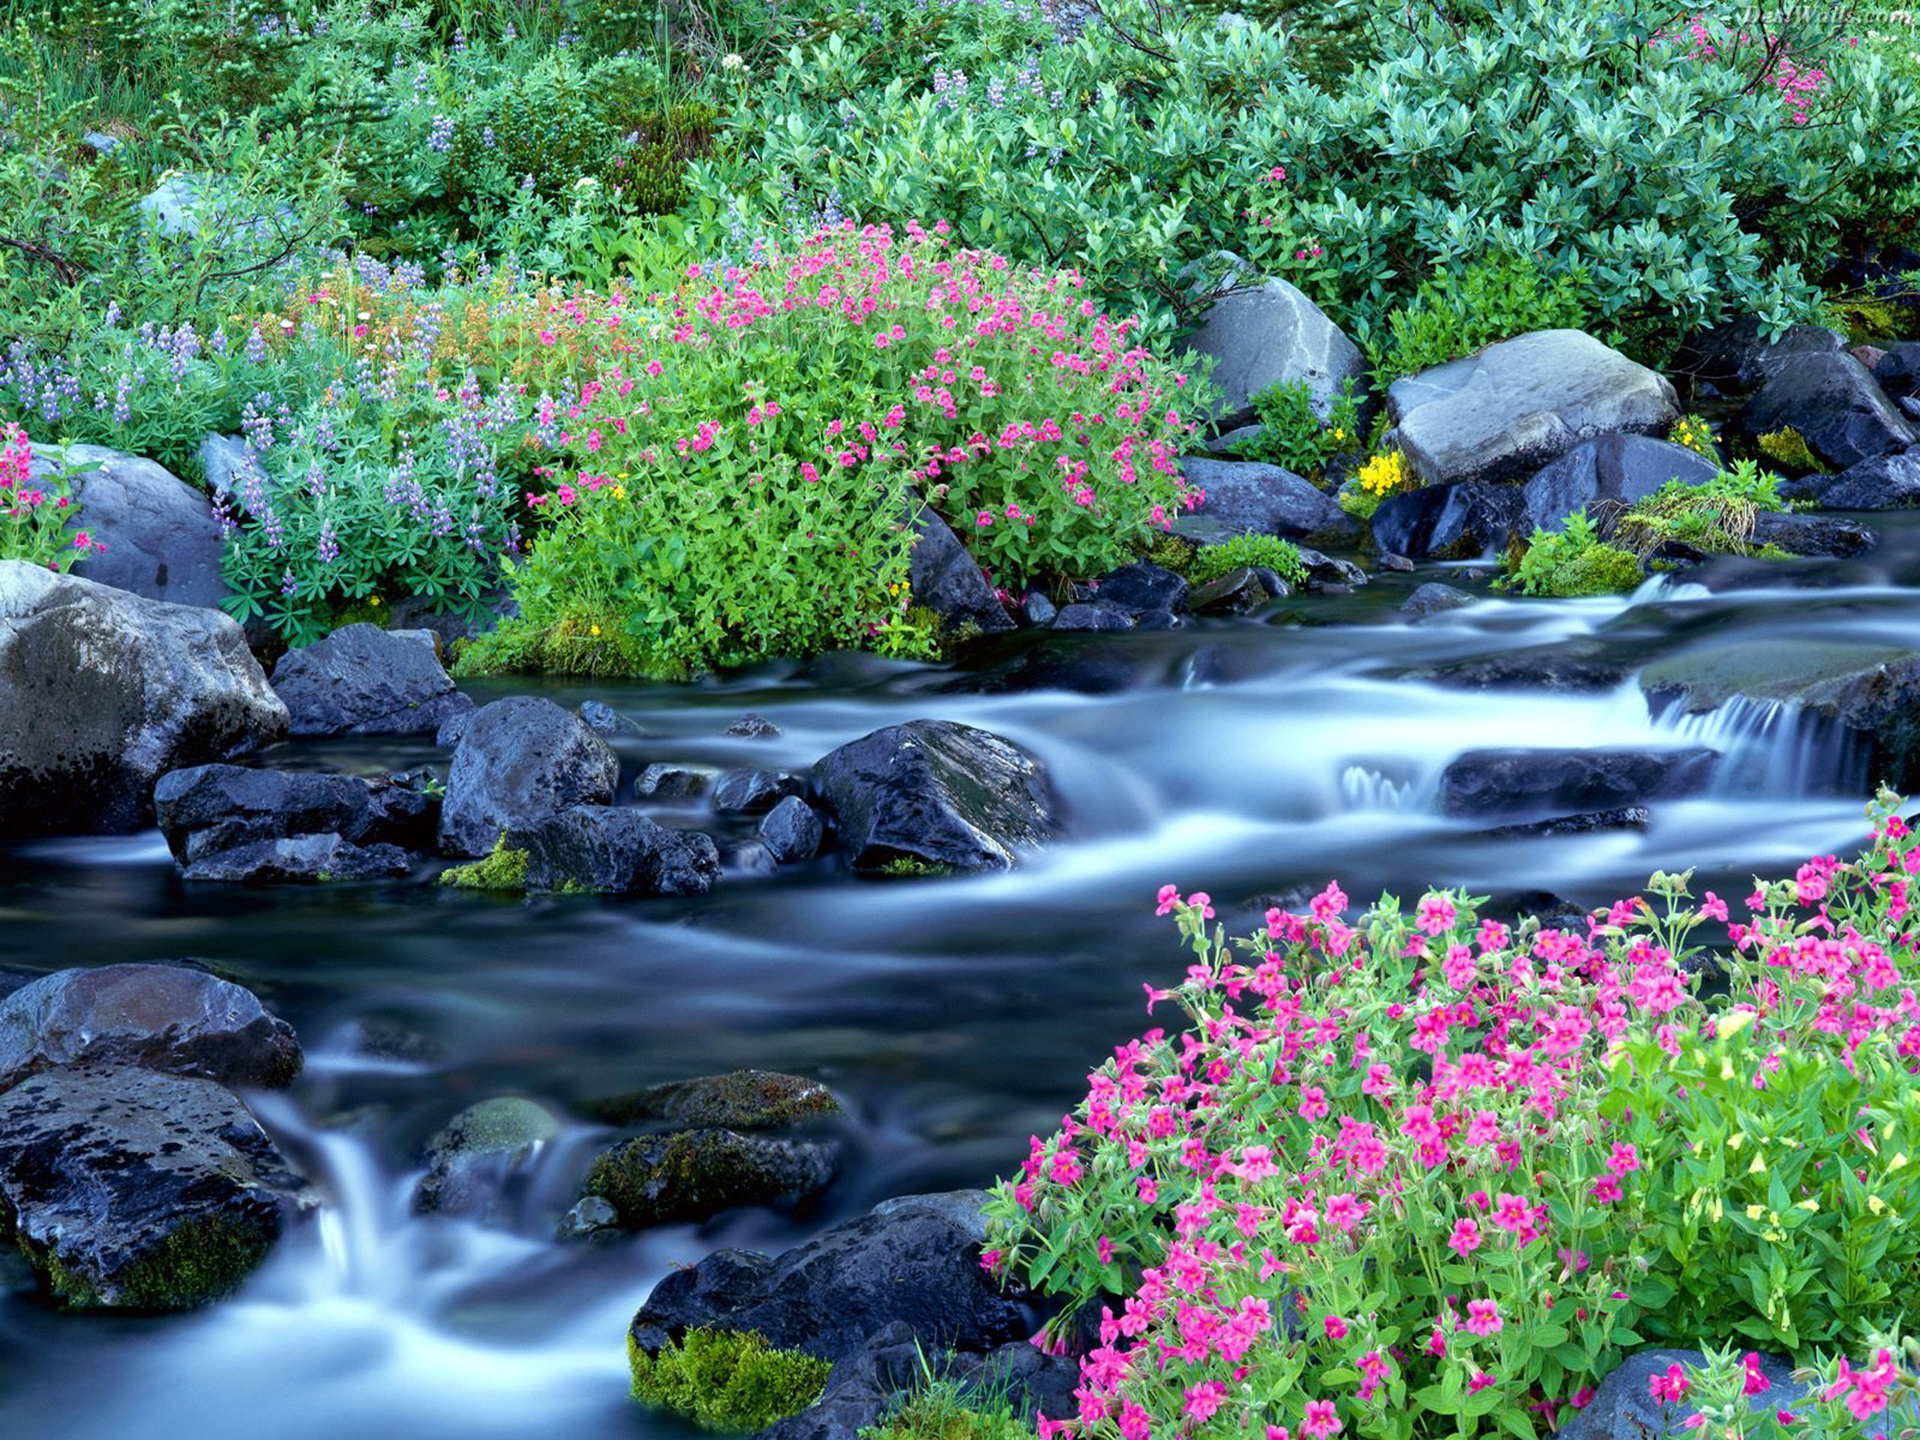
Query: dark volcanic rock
[1250,498]
[1575,667]
[1449,522]
[102,692]
[163,1017]
[1605,476]
[754,726]
[738,1100]
[1733,356]
[1898,369]
[791,831]
[671,782]
[300,858]
[1836,407]
[1630,817]
[615,852]
[210,808]
[362,680]
[1819,535]
[1561,782]
[1236,592]
[936,792]
[130,1189]
[1092,615]
[1886,482]
[520,761]
[1433,597]
[947,580]
[751,792]
[695,1174]
[915,1260]
[1143,586]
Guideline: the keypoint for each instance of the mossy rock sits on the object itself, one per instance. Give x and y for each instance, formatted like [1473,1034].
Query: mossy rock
[694,1174]
[737,1100]
[504,869]
[727,1380]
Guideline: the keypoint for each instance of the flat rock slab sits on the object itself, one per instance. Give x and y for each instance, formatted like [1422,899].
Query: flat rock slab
[1566,782]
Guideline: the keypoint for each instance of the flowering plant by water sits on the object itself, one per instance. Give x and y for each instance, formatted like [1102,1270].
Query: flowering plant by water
[35,514]
[1426,1173]
[1734,1399]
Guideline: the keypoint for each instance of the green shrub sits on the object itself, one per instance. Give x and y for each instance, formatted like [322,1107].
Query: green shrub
[1268,551]
[1296,437]
[944,1410]
[1716,518]
[1460,311]
[727,1380]
[1572,562]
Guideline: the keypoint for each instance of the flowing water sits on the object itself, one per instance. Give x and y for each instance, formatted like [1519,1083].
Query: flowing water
[1247,757]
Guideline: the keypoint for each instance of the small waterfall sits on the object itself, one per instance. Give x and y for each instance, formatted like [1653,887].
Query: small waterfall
[1364,788]
[1770,747]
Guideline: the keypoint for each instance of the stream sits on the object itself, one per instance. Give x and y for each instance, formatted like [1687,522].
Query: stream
[1247,757]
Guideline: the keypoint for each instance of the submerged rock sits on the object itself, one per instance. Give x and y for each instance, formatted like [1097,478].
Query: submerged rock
[1564,782]
[481,1152]
[520,761]
[102,692]
[129,1189]
[615,852]
[935,793]
[162,1017]
[1432,598]
[792,831]
[695,1174]
[362,680]
[738,1100]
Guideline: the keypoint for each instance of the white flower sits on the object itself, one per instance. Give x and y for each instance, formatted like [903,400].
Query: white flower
[585,182]
[732,62]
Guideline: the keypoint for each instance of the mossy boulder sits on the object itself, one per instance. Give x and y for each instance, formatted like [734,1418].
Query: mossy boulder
[694,1174]
[481,1154]
[128,1189]
[503,869]
[726,1380]
[738,1100]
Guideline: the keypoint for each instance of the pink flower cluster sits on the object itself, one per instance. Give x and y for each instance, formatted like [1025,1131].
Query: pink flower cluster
[32,517]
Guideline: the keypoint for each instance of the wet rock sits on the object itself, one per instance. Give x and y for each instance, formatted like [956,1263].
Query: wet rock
[753,726]
[102,692]
[1144,586]
[298,859]
[1038,609]
[1886,482]
[162,1017]
[1835,406]
[362,680]
[1898,370]
[591,1219]
[1092,615]
[1237,444]
[1237,592]
[1605,476]
[1624,1408]
[603,719]
[1450,522]
[671,782]
[1868,694]
[738,1100]
[1515,406]
[1433,597]
[1250,498]
[947,580]
[937,793]
[212,808]
[130,1189]
[914,1260]
[1561,782]
[752,792]
[1325,571]
[695,1174]
[1268,335]
[1573,667]
[1820,535]
[1399,564]
[615,852]
[1157,620]
[520,761]
[791,831]
[1628,817]
[1732,356]
[162,540]
[479,1157]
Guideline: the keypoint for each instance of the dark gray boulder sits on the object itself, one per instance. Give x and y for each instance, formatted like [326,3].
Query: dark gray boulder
[935,793]
[301,859]
[615,852]
[362,680]
[207,809]
[738,1100]
[162,1017]
[1237,592]
[671,782]
[946,579]
[695,1174]
[1326,571]
[791,831]
[1561,782]
[477,1160]
[753,726]
[1268,334]
[1251,498]
[1623,1408]
[102,692]
[1815,535]
[914,1261]
[1143,586]
[162,540]
[1732,356]
[1886,482]
[1606,475]
[1432,598]
[521,760]
[1515,406]
[1092,615]
[1898,369]
[130,1189]
[1834,404]
[752,792]
[1038,609]
[1574,667]
[1450,522]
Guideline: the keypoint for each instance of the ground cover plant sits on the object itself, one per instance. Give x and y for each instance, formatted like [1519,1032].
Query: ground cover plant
[1426,1172]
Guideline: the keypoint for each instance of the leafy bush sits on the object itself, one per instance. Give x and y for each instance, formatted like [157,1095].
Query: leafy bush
[1257,551]
[1296,438]
[1428,1174]
[742,469]
[1383,476]
[35,517]
[1716,518]
[1460,311]
[727,1380]
[1842,1397]
[1694,433]
[1572,562]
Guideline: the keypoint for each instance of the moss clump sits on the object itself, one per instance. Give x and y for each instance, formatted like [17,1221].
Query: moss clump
[1171,552]
[1863,319]
[727,1380]
[1267,552]
[943,1410]
[504,869]
[909,867]
[1788,447]
[201,1261]
[1571,563]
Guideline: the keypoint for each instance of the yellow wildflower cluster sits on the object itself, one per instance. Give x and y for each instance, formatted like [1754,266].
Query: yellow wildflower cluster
[1695,434]
[1386,474]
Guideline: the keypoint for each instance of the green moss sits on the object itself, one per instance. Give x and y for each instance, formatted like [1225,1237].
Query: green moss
[198,1262]
[1863,319]
[943,1410]
[727,1380]
[908,867]
[1171,552]
[504,869]
[1788,447]
[1256,551]
[1571,563]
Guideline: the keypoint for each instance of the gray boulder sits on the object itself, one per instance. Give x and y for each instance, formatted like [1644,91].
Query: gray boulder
[225,460]
[752,792]
[1092,615]
[1250,498]
[1515,406]
[102,692]
[1237,592]
[480,1155]
[1623,1408]
[946,579]
[162,540]
[1143,586]
[1886,482]
[1815,535]
[1269,334]
[615,852]
[1834,404]
[791,831]
[1733,355]
[162,1017]
[1432,598]
[208,809]
[521,760]
[935,793]
[1606,475]
[695,1174]
[1898,369]
[1465,521]
[298,859]
[129,1189]
[1563,782]
[362,680]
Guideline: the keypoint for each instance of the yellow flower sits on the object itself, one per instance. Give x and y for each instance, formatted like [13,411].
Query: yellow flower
[593,629]
[1810,1205]
[1729,1026]
[619,492]
[1754,1212]
[373,600]
[1758,1167]
[1899,1162]
[1736,1140]
[1876,1204]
